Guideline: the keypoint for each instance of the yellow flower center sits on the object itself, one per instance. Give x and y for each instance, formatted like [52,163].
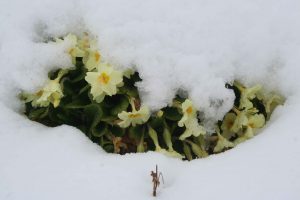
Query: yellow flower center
[71,51]
[97,56]
[189,110]
[229,124]
[252,125]
[134,115]
[104,78]
[39,93]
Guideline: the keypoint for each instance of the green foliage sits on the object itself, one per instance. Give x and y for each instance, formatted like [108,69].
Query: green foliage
[172,113]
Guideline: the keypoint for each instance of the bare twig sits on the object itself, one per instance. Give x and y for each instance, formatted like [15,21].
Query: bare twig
[155,180]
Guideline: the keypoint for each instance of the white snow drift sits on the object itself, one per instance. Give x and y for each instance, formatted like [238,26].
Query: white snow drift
[194,46]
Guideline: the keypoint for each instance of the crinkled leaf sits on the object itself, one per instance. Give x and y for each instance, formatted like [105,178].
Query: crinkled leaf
[117,131]
[76,104]
[79,75]
[136,132]
[157,123]
[172,113]
[120,105]
[129,90]
[99,130]
[93,113]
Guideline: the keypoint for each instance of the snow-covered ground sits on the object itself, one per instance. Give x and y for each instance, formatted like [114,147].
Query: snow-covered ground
[193,45]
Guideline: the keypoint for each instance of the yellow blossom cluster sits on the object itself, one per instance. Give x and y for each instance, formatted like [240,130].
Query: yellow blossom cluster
[51,93]
[175,130]
[244,120]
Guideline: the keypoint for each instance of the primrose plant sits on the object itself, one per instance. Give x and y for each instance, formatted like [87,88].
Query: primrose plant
[104,103]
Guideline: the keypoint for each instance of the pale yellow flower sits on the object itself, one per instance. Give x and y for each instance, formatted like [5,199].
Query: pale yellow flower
[189,112]
[241,140]
[228,122]
[74,50]
[254,122]
[247,135]
[51,93]
[222,143]
[86,43]
[190,121]
[92,60]
[240,120]
[272,102]
[247,94]
[192,128]
[27,97]
[128,72]
[104,82]
[134,117]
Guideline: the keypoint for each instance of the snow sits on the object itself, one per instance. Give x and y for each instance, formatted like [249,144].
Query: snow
[196,46]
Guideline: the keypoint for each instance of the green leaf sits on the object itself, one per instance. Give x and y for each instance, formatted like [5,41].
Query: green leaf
[109,148]
[85,89]
[74,89]
[108,119]
[99,130]
[78,73]
[63,117]
[157,123]
[129,90]
[172,113]
[76,104]
[136,132]
[38,113]
[52,114]
[117,131]
[120,105]
[68,87]
[83,128]
[93,113]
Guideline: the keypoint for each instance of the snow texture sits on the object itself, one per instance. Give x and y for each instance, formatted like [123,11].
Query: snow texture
[192,46]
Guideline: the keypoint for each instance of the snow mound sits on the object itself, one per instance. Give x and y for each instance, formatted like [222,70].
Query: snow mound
[195,46]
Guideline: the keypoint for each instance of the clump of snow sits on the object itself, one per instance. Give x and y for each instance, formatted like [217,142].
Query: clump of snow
[195,46]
